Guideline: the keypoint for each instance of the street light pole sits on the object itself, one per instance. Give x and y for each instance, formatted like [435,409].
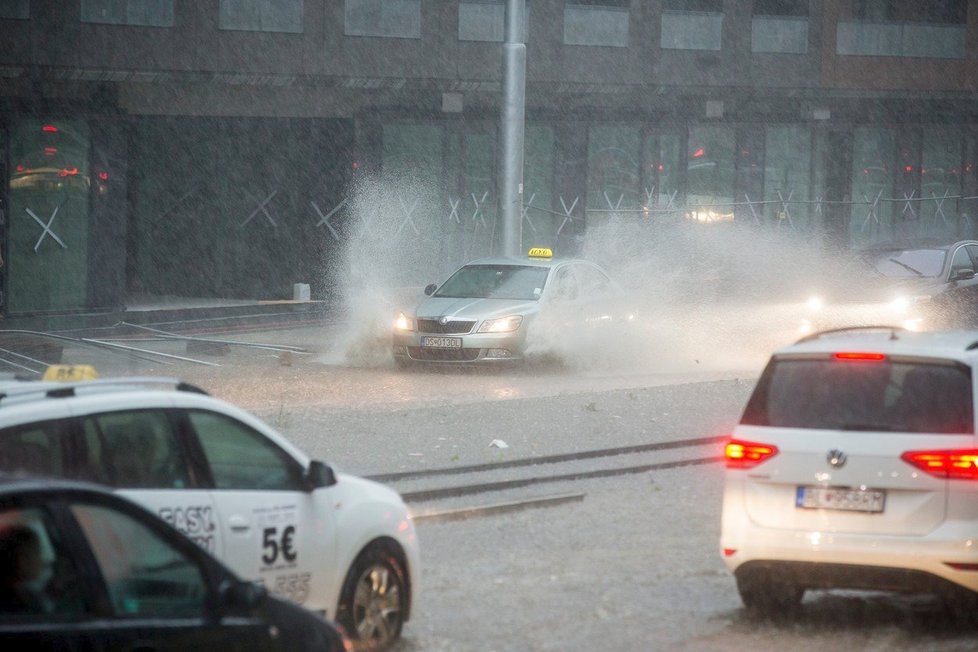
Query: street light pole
[511,129]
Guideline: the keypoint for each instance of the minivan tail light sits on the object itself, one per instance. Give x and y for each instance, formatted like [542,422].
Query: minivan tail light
[954,464]
[747,454]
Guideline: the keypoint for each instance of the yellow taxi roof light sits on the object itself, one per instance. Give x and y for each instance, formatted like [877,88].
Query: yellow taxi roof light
[540,252]
[70,372]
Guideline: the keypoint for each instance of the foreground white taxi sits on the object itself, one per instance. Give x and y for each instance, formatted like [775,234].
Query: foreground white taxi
[334,543]
[855,465]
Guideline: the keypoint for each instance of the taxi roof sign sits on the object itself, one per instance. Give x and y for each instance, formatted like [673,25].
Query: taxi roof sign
[540,252]
[70,372]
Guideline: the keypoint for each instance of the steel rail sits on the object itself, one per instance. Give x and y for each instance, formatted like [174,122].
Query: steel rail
[485,487]
[208,340]
[548,459]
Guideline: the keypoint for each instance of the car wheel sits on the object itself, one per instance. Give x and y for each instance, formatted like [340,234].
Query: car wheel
[962,607]
[373,601]
[768,596]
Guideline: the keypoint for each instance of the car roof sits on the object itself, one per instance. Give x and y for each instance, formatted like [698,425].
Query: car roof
[525,261]
[961,346]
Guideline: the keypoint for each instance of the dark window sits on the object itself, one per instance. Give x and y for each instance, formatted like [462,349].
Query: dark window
[261,15]
[17,9]
[151,13]
[890,396]
[390,18]
[35,448]
[241,458]
[145,575]
[932,11]
[780,7]
[713,6]
[135,450]
[38,579]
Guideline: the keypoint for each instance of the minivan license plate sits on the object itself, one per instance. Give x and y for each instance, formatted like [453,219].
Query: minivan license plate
[441,342]
[840,498]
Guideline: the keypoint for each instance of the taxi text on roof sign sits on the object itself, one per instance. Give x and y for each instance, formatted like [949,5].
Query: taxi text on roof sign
[540,252]
[70,372]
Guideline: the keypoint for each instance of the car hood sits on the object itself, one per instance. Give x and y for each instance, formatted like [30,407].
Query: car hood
[884,290]
[475,309]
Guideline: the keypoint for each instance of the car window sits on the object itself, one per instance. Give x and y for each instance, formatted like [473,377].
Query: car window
[241,458]
[565,284]
[592,281]
[523,282]
[38,579]
[961,261]
[863,396]
[144,574]
[113,440]
[35,448]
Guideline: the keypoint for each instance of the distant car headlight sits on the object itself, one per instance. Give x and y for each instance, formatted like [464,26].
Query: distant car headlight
[815,303]
[403,323]
[501,325]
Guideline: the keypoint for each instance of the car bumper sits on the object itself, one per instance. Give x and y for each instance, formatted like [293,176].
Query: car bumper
[476,348]
[855,561]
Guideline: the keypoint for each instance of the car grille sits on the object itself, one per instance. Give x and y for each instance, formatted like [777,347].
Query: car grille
[434,326]
[444,355]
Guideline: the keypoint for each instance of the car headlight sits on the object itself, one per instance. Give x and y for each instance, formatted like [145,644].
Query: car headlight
[501,325]
[403,323]
[815,303]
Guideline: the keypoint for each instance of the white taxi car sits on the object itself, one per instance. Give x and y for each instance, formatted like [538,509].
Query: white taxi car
[483,313]
[335,543]
[855,466]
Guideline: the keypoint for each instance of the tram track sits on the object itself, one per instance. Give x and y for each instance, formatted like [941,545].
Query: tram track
[421,490]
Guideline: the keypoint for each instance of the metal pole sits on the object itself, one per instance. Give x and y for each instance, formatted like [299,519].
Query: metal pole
[511,129]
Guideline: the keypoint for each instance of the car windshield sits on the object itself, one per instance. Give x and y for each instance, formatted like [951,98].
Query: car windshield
[889,396]
[523,282]
[908,263]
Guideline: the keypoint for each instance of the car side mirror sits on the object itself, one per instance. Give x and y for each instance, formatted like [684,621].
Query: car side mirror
[319,474]
[430,289]
[241,594]
[963,275]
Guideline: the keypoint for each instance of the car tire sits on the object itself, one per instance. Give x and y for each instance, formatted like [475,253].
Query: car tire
[373,602]
[961,605]
[767,596]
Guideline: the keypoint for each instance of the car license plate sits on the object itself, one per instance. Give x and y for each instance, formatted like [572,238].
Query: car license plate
[428,342]
[840,498]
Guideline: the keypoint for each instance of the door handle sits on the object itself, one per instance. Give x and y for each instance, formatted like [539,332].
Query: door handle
[239,523]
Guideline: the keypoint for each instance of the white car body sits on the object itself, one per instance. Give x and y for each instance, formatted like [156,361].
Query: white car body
[300,544]
[797,519]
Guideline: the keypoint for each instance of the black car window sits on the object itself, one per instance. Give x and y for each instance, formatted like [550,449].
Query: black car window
[38,579]
[144,574]
[136,449]
[885,395]
[34,448]
[241,458]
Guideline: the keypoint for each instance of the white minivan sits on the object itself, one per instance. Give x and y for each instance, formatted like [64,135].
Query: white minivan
[855,466]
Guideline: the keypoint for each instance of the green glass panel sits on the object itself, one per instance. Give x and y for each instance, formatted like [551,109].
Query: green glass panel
[540,225]
[613,176]
[787,175]
[872,182]
[47,252]
[710,172]
[940,177]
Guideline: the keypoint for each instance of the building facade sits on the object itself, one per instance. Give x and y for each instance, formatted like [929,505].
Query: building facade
[230,148]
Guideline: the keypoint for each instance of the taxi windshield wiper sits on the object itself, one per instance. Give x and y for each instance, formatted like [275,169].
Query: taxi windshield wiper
[906,267]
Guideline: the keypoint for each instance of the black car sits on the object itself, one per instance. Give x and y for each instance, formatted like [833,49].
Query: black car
[82,568]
